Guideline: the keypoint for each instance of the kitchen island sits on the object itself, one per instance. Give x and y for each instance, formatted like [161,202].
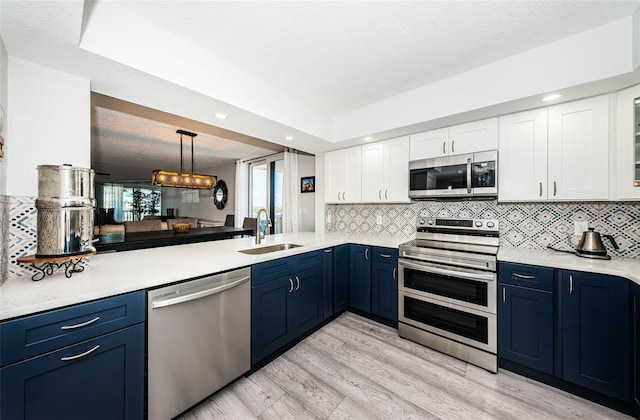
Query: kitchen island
[112,274]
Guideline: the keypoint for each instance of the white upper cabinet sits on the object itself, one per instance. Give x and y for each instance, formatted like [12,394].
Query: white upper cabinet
[343,172]
[429,144]
[522,156]
[578,150]
[471,137]
[385,171]
[627,158]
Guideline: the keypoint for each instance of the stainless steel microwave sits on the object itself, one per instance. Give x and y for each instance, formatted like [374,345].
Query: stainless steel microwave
[460,176]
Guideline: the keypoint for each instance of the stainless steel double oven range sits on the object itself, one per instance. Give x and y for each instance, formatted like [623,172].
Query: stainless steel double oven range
[447,288]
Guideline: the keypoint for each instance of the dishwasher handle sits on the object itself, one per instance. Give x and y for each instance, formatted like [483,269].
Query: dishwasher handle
[197,295]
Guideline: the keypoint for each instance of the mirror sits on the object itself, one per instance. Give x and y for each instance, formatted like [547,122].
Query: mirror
[220,195]
[636,132]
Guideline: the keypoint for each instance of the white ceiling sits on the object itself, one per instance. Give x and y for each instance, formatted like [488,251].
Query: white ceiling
[340,55]
[331,56]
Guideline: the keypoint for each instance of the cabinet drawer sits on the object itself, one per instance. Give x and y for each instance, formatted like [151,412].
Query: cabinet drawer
[526,275]
[385,255]
[27,337]
[308,260]
[101,378]
[271,270]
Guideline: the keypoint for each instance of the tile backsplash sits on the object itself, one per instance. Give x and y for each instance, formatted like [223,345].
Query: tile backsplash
[527,225]
[4,238]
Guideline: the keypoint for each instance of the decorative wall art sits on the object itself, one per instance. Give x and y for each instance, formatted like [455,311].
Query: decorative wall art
[220,195]
[308,184]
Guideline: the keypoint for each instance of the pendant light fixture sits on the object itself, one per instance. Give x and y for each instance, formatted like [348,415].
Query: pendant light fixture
[183,179]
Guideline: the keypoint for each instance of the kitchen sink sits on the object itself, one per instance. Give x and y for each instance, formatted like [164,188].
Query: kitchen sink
[270,248]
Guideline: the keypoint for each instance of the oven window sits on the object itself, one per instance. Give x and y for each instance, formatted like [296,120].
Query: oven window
[474,327]
[447,286]
[440,178]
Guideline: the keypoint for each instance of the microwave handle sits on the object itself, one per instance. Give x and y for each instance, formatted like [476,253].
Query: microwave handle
[469,175]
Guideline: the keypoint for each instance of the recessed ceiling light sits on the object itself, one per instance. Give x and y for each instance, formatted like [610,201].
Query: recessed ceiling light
[288,138]
[220,116]
[551,97]
[368,138]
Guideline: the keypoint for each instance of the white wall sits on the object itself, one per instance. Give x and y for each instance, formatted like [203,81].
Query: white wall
[636,39]
[49,123]
[205,209]
[307,201]
[4,70]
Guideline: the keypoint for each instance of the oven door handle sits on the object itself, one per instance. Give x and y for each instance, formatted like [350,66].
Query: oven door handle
[449,272]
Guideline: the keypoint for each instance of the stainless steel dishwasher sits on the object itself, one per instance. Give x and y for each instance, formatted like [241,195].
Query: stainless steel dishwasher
[199,340]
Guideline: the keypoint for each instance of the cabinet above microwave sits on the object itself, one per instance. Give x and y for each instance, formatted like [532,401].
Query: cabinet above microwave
[460,176]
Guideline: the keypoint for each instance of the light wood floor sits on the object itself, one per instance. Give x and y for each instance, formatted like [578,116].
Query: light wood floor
[354,368]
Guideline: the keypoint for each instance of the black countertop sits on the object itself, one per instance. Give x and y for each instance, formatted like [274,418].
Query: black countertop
[153,239]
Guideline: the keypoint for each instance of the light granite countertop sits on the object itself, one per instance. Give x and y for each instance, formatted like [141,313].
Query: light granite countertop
[622,267]
[122,272]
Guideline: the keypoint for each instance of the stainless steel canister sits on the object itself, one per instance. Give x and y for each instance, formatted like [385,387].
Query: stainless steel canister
[65,206]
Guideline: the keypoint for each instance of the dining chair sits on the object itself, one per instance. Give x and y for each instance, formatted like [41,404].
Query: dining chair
[230,220]
[251,222]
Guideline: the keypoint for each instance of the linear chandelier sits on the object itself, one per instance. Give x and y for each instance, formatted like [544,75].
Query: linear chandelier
[183,179]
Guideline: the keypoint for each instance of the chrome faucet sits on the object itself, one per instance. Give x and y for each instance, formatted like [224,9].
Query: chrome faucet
[260,234]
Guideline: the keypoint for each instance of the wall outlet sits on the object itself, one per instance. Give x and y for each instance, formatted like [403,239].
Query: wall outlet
[580,227]
[379,220]
[329,218]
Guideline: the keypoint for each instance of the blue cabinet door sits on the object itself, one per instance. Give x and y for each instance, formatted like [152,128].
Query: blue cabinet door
[327,283]
[525,327]
[101,378]
[360,278]
[595,339]
[306,300]
[384,290]
[341,271]
[635,319]
[271,325]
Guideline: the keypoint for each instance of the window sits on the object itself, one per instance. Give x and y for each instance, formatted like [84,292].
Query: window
[266,182]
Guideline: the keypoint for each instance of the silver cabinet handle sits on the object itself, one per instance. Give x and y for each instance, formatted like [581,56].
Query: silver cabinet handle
[523,276]
[444,150]
[453,146]
[326,251]
[297,283]
[555,189]
[343,195]
[469,175]
[84,324]
[366,253]
[197,295]
[541,189]
[338,195]
[385,255]
[504,295]
[570,284]
[395,273]
[385,195]
[380,194]
[290,285]
[77,356]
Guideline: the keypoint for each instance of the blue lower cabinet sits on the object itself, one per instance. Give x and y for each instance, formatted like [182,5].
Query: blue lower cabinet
[271,322]
[384,290]
[340,278]
[101,378]
[360,277]
[635,322]
[284,308]
[306,301]
[595,332]
[327,283]
[525,327]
